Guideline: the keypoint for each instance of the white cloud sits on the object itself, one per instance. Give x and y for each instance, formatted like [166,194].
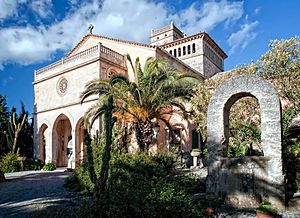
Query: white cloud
[27,45]
[130,19]
[124,19]
[257,10]
[199,18]
[9,7]
[42,7]
[242,37]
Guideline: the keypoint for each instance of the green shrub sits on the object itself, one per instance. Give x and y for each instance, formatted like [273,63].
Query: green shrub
[266,208]
[191,183]
[140,185]
[196,150]
[292,165]
[33,164]
[298,181]
[49,167]
[80,181]
[144,186]
[205,153]
[9,163]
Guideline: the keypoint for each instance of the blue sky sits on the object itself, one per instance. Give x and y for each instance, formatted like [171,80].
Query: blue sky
[34,33]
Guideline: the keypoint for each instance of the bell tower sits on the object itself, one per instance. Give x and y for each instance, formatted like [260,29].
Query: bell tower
[165,35]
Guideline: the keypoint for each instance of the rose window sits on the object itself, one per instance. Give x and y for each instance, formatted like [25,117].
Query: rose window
[62,86]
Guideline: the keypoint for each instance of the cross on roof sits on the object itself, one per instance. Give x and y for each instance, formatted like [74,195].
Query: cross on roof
[90,29]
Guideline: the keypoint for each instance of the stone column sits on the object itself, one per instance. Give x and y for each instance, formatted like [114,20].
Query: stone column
[72,160]
[49,146]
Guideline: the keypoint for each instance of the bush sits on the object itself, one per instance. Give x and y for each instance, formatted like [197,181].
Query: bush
[140,185]
[9,163]
[266,208]
[33,164]
[144,186]
[49,167]
[80,181]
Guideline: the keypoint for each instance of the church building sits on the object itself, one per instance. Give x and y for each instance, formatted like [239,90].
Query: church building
[58,113]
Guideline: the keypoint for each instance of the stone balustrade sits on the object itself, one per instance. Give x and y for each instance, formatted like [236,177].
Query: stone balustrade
[84,56]
[113,56]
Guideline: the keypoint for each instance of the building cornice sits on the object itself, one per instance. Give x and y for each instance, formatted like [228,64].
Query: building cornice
[65,106]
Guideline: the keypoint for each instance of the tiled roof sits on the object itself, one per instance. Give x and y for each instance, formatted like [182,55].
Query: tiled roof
[202,35]
[85,38]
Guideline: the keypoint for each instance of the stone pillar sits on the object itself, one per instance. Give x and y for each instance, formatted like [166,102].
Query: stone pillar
[72,159]
[49,146]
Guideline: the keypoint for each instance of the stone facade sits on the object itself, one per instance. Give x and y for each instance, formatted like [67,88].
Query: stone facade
[245,181]
[58,130]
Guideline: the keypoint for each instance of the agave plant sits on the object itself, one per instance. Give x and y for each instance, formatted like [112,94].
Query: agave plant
[157,91]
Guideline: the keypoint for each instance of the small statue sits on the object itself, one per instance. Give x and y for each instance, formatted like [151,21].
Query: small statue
[90,29]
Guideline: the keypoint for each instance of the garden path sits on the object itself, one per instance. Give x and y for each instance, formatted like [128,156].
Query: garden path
[28,193]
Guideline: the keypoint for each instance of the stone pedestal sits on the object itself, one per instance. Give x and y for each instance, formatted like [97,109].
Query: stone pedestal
[22,159]
[195,155]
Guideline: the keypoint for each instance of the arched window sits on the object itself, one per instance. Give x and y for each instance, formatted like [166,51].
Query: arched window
[194,47]
[183,51]
[179,52]
[189,49]
[170,52]
[175,53]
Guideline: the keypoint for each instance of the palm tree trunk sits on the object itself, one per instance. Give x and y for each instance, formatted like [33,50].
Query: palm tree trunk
[144,134]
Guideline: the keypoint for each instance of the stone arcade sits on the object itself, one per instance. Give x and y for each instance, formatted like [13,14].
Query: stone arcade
[58,131]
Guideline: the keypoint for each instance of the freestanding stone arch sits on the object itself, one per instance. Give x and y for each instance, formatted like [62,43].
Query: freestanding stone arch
[248,179]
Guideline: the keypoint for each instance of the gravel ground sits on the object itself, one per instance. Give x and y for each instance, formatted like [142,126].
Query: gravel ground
[26,194]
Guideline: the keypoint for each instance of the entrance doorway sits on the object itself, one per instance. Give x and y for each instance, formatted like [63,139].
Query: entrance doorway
[62,136]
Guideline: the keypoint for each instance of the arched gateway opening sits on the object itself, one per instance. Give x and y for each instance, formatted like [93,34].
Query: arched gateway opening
[43,142]
[62,136]
[245,181]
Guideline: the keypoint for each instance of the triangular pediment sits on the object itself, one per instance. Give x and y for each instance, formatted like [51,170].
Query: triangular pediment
[91,40]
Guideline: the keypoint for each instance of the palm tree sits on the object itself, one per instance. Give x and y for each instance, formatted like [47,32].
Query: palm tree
[157,92]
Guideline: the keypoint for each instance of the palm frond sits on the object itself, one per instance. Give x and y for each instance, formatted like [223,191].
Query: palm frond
[92,114]
[118,78]
[95,87]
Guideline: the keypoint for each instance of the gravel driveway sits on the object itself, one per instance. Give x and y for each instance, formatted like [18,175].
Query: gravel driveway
[25,194]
